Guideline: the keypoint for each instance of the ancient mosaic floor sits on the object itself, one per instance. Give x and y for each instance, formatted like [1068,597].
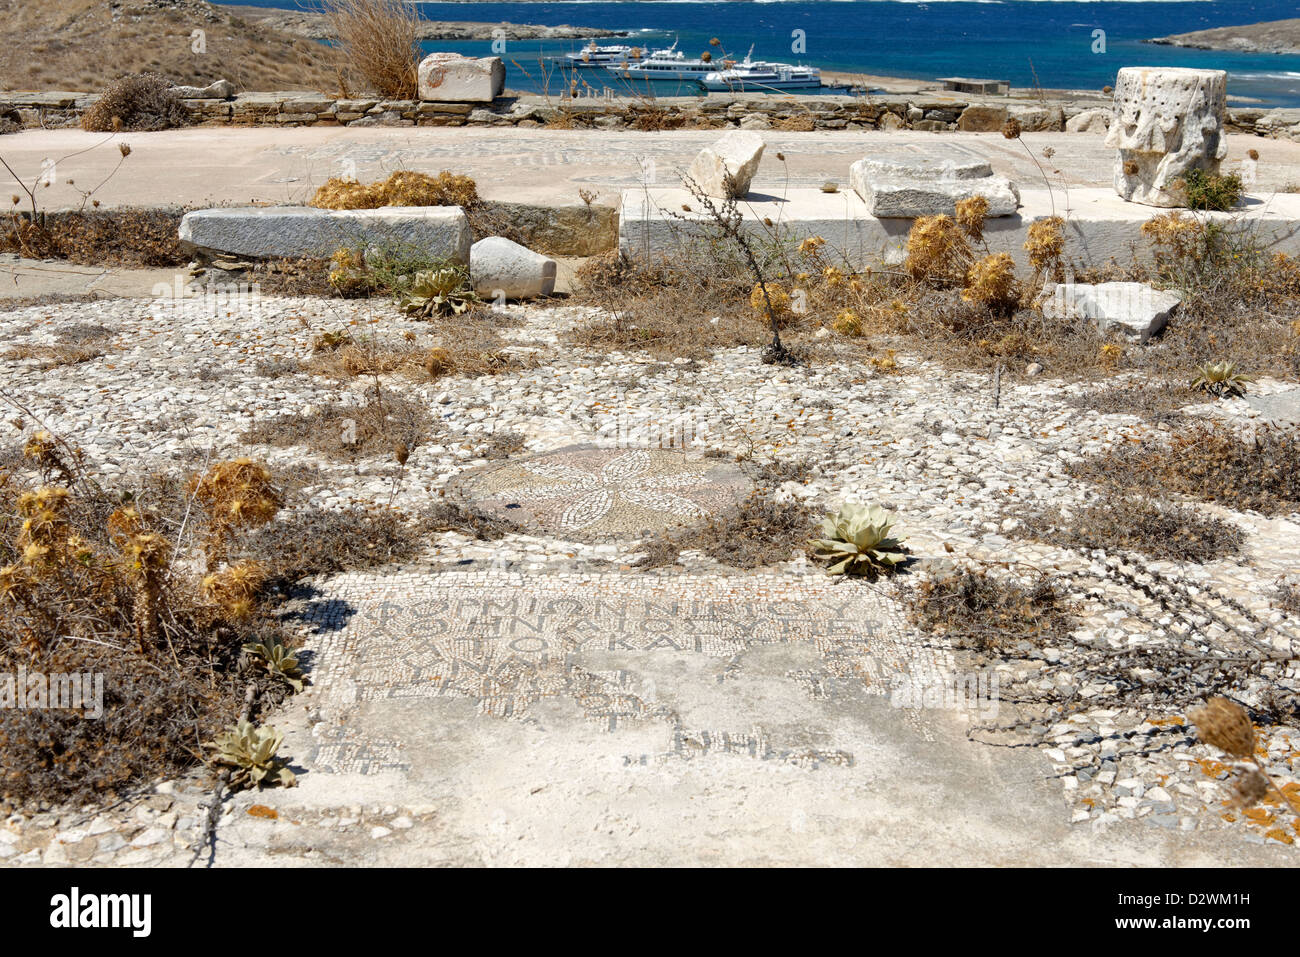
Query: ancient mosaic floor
[594,493]
[507,642]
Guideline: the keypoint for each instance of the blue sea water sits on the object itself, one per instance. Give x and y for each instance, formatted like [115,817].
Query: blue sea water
[1048,42]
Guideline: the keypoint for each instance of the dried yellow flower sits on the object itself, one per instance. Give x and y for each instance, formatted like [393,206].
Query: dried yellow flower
[848,323]
[937,250]
[971,214]
[1226,726]
[1045,243]
[778,297]
[992,282]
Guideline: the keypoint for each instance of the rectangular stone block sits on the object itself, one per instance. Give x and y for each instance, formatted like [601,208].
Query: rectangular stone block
[919,180]
[308,104]
[456,109]
[452,78]
[297,231]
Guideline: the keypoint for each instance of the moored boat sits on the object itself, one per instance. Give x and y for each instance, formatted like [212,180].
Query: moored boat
[593,55]
[755,76]
[669,64]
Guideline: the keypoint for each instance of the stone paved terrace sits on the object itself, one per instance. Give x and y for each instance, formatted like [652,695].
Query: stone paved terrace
[209,166]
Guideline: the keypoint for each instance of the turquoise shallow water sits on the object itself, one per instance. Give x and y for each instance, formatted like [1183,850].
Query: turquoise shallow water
[1014,40]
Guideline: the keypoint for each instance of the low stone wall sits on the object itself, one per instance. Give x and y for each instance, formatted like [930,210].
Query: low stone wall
[933,112]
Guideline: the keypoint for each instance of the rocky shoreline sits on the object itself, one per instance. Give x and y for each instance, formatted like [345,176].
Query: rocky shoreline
[1273,36]
[315,26]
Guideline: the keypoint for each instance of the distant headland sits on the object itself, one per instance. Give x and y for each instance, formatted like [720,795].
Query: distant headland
[1273,36]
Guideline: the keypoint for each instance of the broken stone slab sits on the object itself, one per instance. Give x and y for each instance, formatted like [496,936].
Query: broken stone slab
[499,267]
[928,161]
[1167,122]
[216,90]
[991,118]
[1094,120]
[453,78]
[735,155]
[1034,118]
[273,232]
[981,118]
[1279,124]
[1133,308]
[1280,408]
[925,180]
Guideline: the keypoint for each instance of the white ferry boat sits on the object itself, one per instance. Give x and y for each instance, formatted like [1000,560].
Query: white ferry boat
[594,55]
[669,64]
[757,76]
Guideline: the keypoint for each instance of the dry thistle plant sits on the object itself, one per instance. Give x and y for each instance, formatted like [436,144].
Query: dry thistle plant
[234,589]
[237,494]
[971,214]
[87,586]
[44,450]
[1045,243]
[1223,724]
[770,296]
[147,556]
[937,251]
[991,282]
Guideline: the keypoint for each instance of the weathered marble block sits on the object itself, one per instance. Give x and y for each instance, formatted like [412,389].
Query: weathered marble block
[268,232]
[1132,308]
[453,78]
[922,180]
[1167,122]
[216,90]
[735,155]
[501,267]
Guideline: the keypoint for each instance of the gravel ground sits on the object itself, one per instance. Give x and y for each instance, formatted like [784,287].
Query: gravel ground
[177,384]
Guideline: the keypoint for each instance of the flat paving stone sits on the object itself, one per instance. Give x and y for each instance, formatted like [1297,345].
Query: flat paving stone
[201,166]
[1280,408]
[590,493]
